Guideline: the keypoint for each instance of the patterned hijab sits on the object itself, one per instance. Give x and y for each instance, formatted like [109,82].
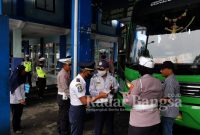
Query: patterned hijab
[16,78]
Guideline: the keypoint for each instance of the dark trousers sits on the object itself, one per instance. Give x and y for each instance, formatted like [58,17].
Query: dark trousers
[152,130]
[101,118]
[41,84]
[167,125]
[63,116]
[76,118]
[28,77]
[17,110]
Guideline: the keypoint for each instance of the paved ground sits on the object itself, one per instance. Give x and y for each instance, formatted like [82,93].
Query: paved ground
[39,118]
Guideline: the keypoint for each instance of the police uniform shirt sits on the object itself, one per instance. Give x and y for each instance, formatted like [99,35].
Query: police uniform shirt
[149,88]
[77,89]
[98,84]
[63,81]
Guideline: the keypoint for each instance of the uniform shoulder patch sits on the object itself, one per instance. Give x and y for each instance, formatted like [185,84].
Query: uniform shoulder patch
[78,80]
[79,87]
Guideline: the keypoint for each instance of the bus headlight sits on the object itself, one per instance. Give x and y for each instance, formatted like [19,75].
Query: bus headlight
[129,84]
[179,117]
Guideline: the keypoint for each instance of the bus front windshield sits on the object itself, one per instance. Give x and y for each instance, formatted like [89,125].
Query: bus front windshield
[183,49]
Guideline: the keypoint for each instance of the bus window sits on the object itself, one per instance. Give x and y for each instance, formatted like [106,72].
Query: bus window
[139,45]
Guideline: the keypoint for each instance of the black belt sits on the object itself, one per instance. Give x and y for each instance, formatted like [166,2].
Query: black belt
[79,106]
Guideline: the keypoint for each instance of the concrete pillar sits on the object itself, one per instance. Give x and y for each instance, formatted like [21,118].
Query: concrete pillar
[17,48]
[42,47]
[17,43]
[1,10]
[115,49]
[115,52]
[81,32]
[4,75]
[25,44]
[63,46]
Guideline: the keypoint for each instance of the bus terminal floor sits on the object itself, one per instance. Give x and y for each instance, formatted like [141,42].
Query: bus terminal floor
[40,116]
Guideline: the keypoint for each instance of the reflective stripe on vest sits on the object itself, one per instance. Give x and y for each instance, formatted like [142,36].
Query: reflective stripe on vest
[27,65]
[140,107]
[40,72]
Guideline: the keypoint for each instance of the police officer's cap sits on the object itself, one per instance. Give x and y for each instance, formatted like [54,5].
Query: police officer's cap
[102,50]
[146,62]
[67,60]
[87,65]
[103,64]
[41,59]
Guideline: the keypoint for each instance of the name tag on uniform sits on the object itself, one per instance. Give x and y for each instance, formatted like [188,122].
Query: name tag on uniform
[79,87]
[97,83]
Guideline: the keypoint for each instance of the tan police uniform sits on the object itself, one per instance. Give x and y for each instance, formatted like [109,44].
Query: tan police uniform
[63,100]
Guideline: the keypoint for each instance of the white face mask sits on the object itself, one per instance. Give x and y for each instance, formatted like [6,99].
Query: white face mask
[101,73]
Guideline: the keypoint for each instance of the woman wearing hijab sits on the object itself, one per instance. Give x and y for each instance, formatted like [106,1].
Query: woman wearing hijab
[17,97]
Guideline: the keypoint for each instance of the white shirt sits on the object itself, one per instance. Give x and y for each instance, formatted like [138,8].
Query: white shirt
[98,84]
[18,94]
[77,89]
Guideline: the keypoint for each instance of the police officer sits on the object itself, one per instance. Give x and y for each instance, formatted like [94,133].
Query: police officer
[103,56]
[79,99]
[41,77]
[28,68]
[103,81]
[144,96]
[63,81]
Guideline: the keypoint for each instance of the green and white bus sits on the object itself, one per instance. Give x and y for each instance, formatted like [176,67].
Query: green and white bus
[167,30]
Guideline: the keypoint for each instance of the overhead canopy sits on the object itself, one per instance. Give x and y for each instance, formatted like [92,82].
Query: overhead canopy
[157,15]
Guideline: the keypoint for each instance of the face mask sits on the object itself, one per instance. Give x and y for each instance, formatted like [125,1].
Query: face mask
[89,75]
[102,73]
